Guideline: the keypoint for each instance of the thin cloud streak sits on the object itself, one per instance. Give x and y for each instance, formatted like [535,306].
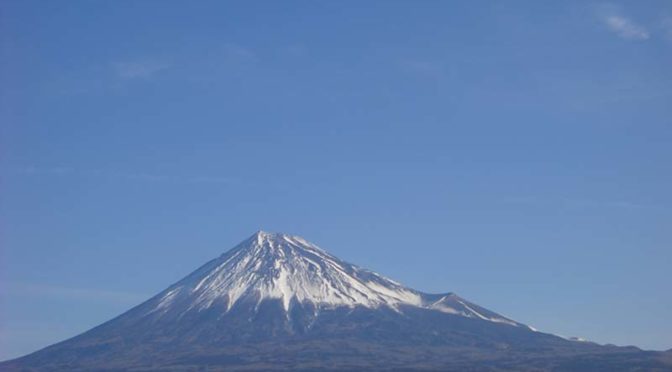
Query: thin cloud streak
[235,51]
[580,203]
[82,294]
[139,176]
[138,69]
[422,67]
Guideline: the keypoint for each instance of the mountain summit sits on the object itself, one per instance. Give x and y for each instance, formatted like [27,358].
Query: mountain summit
[291,270]
[277,301]
[272,266]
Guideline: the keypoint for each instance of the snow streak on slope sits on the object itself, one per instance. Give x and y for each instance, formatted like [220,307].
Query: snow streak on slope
[270,266]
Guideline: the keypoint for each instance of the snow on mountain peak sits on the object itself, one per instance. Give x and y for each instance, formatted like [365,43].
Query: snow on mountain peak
[277,266]
[285,267]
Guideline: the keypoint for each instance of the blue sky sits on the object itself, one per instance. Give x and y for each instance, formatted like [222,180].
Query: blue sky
[515,153]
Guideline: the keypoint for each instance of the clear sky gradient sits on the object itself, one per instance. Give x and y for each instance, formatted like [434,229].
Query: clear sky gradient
[516,153]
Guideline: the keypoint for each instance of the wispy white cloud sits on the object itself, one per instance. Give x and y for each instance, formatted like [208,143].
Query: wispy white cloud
[616,20]
[666,27]
[580,203]
[122,175]
[138,69]
[85,294]
[238,52]
[626,28]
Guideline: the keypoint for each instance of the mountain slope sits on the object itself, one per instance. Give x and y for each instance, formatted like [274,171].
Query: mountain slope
[279,302]
[292,270]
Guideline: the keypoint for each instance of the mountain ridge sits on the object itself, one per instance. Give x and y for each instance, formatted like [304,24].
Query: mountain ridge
[278,302]
[288,267]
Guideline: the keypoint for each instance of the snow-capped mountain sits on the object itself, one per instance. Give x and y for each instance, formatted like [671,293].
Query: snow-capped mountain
[274,266]
[277,301]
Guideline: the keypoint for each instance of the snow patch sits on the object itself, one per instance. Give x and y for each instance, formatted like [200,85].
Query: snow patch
[289,268]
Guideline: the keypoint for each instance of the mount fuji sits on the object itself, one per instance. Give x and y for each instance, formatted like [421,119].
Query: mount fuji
[277,302]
